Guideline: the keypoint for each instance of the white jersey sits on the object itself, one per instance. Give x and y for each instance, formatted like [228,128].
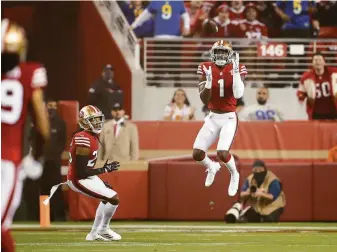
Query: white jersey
[177,113]
[257,112]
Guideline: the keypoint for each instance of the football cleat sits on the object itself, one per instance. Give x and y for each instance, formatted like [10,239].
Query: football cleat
[234,183]
[95,237]
[109,234]
[211,171]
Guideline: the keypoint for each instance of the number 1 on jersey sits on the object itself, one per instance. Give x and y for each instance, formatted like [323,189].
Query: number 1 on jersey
[221,83]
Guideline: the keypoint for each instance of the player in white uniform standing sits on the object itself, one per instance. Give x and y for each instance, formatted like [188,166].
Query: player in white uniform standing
[221,84]
[262,111]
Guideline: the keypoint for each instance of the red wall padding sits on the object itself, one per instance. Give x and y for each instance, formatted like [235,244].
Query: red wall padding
[325,192]
[132,188]
[173,190]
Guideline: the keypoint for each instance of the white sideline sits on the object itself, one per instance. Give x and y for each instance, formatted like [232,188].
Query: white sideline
[158,227]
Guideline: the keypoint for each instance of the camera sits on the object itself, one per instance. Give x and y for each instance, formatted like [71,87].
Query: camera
[253,189]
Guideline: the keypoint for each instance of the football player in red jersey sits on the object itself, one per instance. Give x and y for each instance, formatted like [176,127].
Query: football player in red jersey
[319,87]
[221,84]
[21,93]
[82,177]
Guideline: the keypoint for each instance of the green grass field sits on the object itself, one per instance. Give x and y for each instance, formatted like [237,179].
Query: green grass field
[181,237]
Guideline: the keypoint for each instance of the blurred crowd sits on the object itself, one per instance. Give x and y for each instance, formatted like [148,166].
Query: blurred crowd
[235,19]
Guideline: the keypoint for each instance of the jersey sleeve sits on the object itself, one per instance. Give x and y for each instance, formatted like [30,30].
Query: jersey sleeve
[243,70]
[39,78]
[82,141]
[306,88]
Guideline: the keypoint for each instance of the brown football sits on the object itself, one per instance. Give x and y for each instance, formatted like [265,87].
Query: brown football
[209,27]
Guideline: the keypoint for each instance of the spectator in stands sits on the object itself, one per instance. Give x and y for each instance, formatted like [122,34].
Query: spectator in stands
[105,92]
[268,16]
[197,16]
[250,27]
[179,109]
[167,18]
[131,11]
[296,17]
[225,26]
[332,156]
[261,111]
[324,21]
[263,194]
[119,138]
[167,15]
[236,11]
[318,86]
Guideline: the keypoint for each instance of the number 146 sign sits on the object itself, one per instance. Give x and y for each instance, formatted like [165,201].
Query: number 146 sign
[272,49]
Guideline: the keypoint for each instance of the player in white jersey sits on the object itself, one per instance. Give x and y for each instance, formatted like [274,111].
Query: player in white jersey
[262,111]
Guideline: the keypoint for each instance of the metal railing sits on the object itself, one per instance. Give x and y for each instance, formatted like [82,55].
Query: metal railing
[273,62]
[120,30]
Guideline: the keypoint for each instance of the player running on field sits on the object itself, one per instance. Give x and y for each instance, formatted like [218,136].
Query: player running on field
[221,84]
[82,176]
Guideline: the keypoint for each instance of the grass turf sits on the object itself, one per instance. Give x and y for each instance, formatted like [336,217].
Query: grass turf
[182,237]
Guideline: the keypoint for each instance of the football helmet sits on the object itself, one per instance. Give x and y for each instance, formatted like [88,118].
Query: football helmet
[91,119]
[221,53]
[13,39]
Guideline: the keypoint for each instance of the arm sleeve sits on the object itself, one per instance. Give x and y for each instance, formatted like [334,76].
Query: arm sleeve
[275,189]
[238,85]
[141,18]
[82,170]
[134,143]
[39,78]
[245,186]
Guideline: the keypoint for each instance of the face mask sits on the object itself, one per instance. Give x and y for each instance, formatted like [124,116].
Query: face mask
[259,177]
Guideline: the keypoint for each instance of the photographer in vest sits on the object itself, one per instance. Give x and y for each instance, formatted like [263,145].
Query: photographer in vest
[262,192]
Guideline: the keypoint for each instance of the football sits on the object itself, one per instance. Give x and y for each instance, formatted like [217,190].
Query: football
[209,27]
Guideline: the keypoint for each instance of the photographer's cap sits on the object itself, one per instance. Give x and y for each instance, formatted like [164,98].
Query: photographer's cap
[259,163]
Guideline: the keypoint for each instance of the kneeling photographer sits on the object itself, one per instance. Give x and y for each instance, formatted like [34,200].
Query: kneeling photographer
[262,196]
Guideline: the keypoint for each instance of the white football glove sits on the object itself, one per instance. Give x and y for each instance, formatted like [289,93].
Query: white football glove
[32,168]
[235,62]
[208,73]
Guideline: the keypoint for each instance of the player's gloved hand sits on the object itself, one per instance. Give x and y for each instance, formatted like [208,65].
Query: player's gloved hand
[208,73]
[32,168]
[235,62]
[110,167]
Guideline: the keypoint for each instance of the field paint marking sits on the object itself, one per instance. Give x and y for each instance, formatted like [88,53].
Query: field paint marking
[146,244]
[166,228]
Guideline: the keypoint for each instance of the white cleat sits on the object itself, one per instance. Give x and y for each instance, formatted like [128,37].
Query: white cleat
[211,171]
[234,183]
[109,234]
[95,237]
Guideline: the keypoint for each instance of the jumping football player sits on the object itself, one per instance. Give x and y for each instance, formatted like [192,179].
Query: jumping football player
[221,84]
[21,93]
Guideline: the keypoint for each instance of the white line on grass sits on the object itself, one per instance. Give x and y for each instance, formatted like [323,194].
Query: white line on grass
[181,228]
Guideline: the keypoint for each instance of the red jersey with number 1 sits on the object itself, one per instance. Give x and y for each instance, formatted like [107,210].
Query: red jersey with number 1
[17,87]
[82,139]
[222,86]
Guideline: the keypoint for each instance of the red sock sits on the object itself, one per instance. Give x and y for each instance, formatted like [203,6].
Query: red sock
[7,242]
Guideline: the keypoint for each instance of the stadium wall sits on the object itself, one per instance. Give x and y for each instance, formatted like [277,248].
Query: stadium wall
[155,99]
